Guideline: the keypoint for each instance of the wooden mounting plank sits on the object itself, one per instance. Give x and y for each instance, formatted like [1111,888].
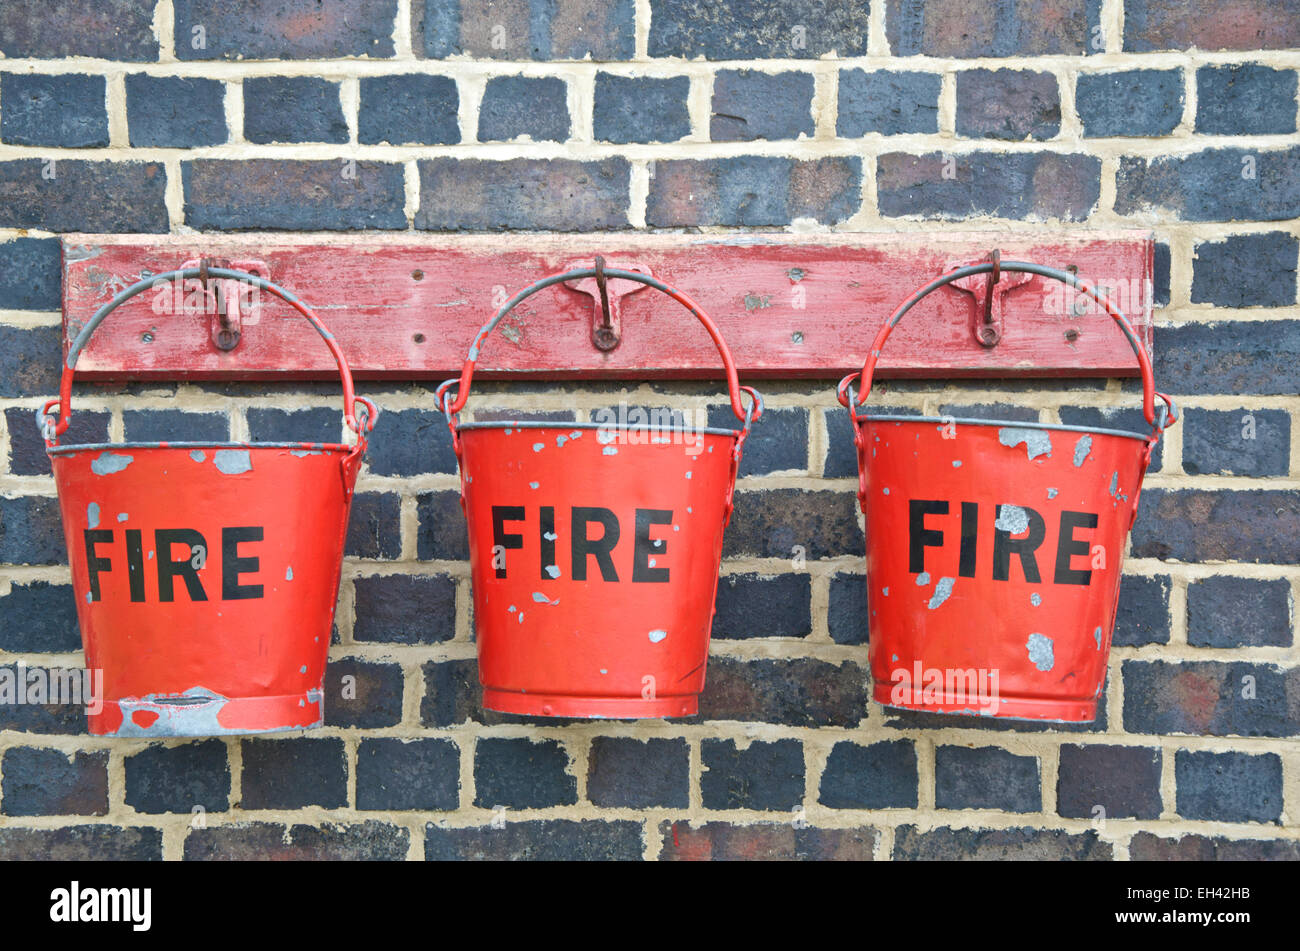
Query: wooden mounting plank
[788,305]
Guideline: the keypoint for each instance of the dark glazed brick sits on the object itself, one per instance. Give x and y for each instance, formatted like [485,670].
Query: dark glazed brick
[777,442]
[626,772]
[374,527]
[1246,270]
[452,694]
[31,532]
[799,692]
[1239,612]
[763,841]
[173,425]
[39,616]
[891,103]
[31,274]
[411,442]
[120,30]
[752,190]
[293,774]
[1010,104]
[990,411]
[1229,787]
[552,840]
[374,695]
[1123,780]
[986,778]
[262,841]
[1259,357]
[523,194]
[1193,525]
[749,105]
[1040,185]
[879,776]
[1245,99]
[947,844]
[411,109]
[522,774]
[404,775]
[1205,698]
[63,111]
[1212,185]
[641,109]
[1143,613]
[763,776]
[405,609]
[770,523]
[162,779]
[284,29]
[293,109]
[40,782]
[846,614]
[756,29]
[58,719]
[1237,442]
[525,29]
[1136,102]
[302,425]
[442,532]
[173,112]
[752,605]
[1234,25]
[962,29]
[76,195]
[1148,847]
[27,447]
[513,106]
[1160,275]
[293,195]
[92,843]
[1126,420]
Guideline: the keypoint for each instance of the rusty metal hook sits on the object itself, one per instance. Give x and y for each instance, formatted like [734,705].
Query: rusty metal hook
[604,336]
[989,335]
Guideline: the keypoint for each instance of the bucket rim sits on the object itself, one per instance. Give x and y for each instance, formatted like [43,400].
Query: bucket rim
[1003,423]
[92,446]
[541,424]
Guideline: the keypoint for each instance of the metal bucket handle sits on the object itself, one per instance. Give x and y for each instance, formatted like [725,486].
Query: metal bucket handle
[358,412]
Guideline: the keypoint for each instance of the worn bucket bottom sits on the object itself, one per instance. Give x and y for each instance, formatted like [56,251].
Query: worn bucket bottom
[1006,708]
[203,714]
[612,708]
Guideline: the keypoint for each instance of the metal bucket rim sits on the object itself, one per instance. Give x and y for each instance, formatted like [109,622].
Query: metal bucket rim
[93,446]
[612,427]
[1015,424]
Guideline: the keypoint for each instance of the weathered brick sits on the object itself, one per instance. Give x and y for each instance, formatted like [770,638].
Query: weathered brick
[374,526]
[755,29]
[1237,442]
[263,841]
[283,29]
[400,775]
[1233,25]
[1012,104]
[846,613]
[27,446]
[42,782]
[405,609]
[452,694]
[1228,787]
[1212,185]
[293,195]
[527,194]
[1149,847]
[641,109]
[879,776]
[525,29]
[442,531]
[1142,616]
[31,532]
[120,30]
[1239,612]
[764,841]
[777,442]
[1245,99]
[411,442]
[989,411]
[890,103]
[753,605]
[58,719]
[371,699]
[1124,418]
[631,773]
[77,195]
[1123,780]
[67,111]
[408,110]
[986,777]
[293,109]
[522,774]
[516,106]
[550,840]
[772,523]
[797,692]
[841,454]
[1205,698]
[293,774]
[163,779]
[1023,844]
[749,105]
[172,425]
[302,425]
[1258,357]
[752,190]
[1134,102]
[39,616]
[962,29]
[1160,277]
[1197,525]
[1246,270]
[766,776]
[175,111]
[900,719]
[1037,185]
[89,843]
[31,274]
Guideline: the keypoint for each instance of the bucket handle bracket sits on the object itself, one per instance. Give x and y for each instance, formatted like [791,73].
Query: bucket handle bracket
[607,301]
[988,294]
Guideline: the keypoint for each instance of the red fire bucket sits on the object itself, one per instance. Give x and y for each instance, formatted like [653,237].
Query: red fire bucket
[594,547]
[205,573]
[994,549]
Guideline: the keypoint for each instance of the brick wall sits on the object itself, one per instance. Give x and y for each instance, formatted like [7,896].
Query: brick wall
[185,115]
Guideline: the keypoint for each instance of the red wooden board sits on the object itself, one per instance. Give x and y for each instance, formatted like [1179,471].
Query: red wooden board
[788,305]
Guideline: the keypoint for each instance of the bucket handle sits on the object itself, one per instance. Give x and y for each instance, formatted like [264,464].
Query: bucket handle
[359,413]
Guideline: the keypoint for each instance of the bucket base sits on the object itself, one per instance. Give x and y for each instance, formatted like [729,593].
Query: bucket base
[1006,708]
[203,714]
[596,708]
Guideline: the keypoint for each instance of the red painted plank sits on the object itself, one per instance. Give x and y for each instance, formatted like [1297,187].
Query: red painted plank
[788,305]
